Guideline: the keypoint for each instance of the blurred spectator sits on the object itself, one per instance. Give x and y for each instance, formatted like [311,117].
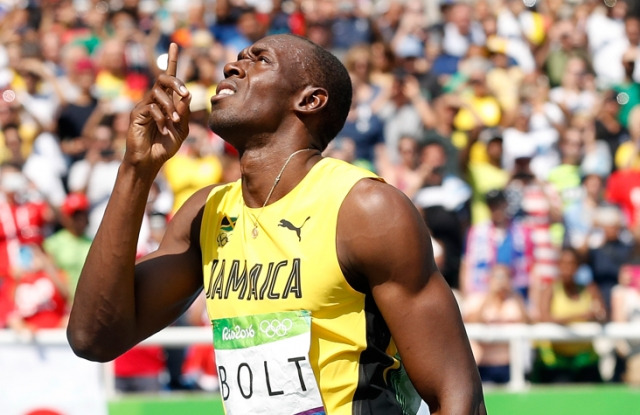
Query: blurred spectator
[596,157]
[350,26]
[501,304]
[565,177]
[367,91]
[576,91]
[409,38]
[399,114]
[443,111]
[75,114]
[516,27]
[13,145]
[567,301]
[24,217]
[96,174]
[40,292]
[493,242]
[40,95]
[69,246]
[534,204]
[614,249]
[479,108]
[237,26]
[609,125]
[411,59]
[22,221]
[116,77]
[481,160]
[605,26]
[579,216]
[520,140]
[544,123]
[70,56]
[382,64]
[561,47]
[46,168]
[17,146]
[364,128]
[627,90]
[444,200]
[460,30]
[608,61]
[389,18]
[504,78]
[404,174]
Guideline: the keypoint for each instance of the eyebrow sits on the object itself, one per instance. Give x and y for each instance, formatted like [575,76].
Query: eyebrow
[252,50]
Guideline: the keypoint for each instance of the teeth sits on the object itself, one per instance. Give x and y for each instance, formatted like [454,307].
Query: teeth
[226,92]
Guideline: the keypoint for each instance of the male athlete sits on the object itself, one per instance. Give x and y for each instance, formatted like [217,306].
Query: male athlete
[319,278]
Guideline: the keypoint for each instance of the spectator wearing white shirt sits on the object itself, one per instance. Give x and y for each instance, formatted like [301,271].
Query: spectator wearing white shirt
[460,31]
[607,62]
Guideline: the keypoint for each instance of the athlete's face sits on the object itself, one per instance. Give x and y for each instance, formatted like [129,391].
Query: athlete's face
[259,88]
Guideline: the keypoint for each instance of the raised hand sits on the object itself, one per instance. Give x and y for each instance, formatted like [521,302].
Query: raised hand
[160,122]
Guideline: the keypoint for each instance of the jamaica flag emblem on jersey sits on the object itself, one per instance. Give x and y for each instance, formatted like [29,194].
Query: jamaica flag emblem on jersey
[226,226]
[228,223]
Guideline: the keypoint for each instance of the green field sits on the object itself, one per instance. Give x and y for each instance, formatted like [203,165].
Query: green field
[555,400]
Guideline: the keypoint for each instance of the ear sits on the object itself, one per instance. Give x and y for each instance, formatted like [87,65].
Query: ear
[312,99]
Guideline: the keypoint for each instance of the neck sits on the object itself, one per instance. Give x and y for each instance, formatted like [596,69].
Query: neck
[269,175]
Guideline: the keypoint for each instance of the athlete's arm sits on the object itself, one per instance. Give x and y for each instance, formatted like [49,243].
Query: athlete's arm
[384,244]
[118,303]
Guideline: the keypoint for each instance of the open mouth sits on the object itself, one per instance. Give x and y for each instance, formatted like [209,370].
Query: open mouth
[226,92]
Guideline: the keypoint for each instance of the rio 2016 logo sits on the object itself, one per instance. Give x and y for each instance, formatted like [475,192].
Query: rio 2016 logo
[237,333]
[276,328]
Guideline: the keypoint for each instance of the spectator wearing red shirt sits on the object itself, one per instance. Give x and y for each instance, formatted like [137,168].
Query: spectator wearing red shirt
[24,215]
[39,292]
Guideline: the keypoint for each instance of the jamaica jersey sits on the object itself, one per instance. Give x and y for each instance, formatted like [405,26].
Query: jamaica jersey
[291,336]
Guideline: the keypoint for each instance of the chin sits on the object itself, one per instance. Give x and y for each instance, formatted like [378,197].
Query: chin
[220,124]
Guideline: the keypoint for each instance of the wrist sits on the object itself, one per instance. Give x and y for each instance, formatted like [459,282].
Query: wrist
[137,174]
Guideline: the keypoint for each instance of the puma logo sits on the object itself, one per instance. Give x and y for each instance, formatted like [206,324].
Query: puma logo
[286,224]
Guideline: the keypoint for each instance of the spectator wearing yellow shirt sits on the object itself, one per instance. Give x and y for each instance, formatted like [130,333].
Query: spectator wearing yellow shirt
[193,166]
[484,173]
[481,108]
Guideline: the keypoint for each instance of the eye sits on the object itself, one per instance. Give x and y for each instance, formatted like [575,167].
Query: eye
[264,59]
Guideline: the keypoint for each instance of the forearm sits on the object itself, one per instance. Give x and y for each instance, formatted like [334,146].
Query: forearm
[464,401]
[103,320]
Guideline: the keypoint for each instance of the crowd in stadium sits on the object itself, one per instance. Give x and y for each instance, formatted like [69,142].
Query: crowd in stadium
[513,125]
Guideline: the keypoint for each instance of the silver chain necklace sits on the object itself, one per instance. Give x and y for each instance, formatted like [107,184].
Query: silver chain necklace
[254,220]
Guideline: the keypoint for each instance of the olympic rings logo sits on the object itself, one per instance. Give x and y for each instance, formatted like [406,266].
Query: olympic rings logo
[276,328]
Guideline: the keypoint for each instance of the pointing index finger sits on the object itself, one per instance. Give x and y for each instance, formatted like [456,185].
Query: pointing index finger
[172,63]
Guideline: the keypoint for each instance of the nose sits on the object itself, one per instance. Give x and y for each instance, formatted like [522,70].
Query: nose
[233,68]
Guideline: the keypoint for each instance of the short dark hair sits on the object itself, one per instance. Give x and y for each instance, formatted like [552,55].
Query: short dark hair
[10,126]
[495,197]
[327,71]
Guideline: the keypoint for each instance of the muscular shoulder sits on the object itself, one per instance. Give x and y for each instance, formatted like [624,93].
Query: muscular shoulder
[373,199]
[379,229]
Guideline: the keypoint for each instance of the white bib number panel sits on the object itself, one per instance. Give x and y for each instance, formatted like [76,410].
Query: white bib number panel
[263,364]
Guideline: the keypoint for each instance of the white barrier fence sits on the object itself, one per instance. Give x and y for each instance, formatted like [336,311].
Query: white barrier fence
[519,337]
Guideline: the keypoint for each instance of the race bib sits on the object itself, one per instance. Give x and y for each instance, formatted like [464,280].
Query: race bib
[263,364]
